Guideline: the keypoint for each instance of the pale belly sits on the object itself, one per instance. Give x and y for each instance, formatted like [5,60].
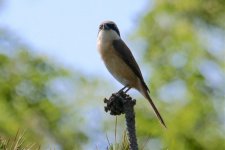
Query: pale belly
[118,68]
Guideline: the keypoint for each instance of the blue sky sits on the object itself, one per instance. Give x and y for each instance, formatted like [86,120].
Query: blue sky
[67,30]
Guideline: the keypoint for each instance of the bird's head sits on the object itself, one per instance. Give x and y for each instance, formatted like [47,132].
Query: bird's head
[109,26]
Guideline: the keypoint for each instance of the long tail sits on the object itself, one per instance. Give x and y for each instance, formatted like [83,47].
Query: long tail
[145,93]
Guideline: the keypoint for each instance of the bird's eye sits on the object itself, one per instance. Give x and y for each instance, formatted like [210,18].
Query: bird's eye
[111,26]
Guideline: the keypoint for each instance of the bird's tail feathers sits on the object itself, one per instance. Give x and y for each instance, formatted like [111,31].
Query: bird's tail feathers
[145,93]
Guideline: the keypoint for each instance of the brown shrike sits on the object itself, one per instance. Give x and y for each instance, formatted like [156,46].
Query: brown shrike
[120,62]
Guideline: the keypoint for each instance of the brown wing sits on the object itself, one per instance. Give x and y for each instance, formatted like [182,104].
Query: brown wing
[125,53]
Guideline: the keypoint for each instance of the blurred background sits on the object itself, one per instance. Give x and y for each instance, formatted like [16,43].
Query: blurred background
[53,82]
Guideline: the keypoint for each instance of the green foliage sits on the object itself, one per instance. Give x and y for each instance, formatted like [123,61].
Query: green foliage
[123,145]
[16,143]
[187,73]
[30,99]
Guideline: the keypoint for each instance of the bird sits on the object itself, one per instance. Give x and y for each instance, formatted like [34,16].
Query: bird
[121,63]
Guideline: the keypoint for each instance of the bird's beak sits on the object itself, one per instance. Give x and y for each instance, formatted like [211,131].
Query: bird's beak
[105,27]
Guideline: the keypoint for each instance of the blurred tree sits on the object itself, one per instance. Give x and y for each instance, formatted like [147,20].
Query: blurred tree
[185,54]
[32,97]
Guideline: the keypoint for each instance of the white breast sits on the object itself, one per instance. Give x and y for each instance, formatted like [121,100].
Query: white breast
[106,35]
[105,38]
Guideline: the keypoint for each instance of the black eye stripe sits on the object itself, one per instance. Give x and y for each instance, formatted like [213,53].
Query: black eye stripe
[113,27]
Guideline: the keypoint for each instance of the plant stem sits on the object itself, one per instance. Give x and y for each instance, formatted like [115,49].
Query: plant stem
[120,103]
[130,122]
